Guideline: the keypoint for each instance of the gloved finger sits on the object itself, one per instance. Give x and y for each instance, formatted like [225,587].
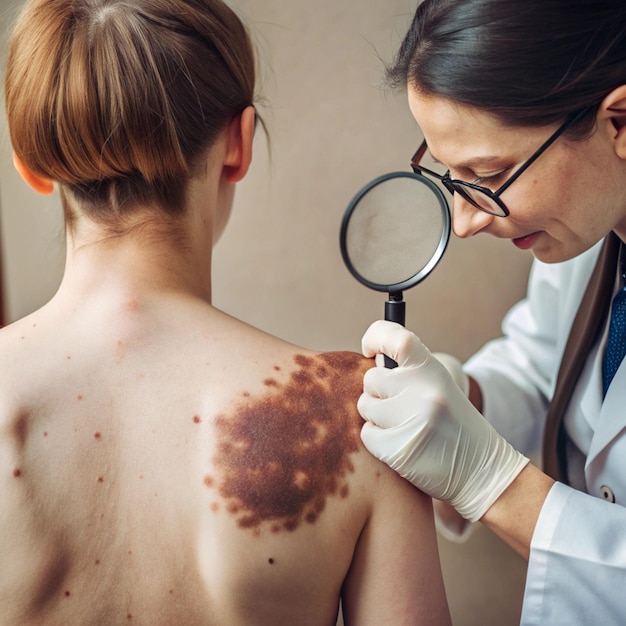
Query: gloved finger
[384,412]
[381,382]
[396,342]
[370,436]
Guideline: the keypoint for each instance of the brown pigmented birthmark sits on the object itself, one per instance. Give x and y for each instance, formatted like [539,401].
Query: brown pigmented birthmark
[280,456]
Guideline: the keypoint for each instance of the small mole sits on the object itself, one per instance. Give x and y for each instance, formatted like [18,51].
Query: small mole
[246,394]
[17,472]
[67,594]
[196,419]
[97,561]
[140,476]
[22,337]
[208,481]
[34,325]
[130,552]
[68,357]
[97,435]
[79,397]
[45,434]
[270,382]
[100,479]
[270,561]
[129,616]
[171,592]
[276,368]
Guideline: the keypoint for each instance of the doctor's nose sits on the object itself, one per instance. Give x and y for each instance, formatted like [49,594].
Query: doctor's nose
[467,220]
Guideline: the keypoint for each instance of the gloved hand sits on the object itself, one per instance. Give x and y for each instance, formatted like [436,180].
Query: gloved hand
[423,426]
[448,522]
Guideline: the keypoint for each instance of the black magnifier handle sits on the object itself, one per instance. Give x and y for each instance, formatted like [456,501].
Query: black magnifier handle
[395,311]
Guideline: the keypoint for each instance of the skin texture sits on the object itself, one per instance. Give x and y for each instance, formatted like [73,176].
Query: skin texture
[164,463]
[558,210]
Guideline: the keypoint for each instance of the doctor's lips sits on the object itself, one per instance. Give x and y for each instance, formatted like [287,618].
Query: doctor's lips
[526,242]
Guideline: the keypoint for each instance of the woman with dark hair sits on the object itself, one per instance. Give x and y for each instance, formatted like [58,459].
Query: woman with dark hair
[523,105]
[160,461]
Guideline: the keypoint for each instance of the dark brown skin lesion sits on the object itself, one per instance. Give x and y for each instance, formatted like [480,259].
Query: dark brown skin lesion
[279,457]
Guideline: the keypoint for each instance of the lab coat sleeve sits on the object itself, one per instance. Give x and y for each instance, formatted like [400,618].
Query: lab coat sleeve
[577,566]
[517,372]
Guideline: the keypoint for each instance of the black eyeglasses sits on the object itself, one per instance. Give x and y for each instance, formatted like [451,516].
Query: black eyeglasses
[484,198]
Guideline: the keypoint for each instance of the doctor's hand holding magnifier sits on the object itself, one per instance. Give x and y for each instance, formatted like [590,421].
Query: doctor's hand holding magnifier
[524,107]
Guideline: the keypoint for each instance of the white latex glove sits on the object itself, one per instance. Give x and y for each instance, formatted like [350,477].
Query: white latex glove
[422,425]
[448,522]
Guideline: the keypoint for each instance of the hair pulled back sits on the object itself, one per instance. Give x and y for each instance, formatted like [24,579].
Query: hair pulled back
[529,63]
[118,100]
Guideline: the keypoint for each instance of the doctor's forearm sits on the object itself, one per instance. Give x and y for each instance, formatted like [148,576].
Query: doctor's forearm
[513,516]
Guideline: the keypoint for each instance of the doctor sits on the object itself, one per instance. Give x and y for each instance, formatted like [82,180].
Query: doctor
[524,107]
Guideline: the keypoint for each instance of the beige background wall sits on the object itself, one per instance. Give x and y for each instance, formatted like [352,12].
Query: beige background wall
[332,129]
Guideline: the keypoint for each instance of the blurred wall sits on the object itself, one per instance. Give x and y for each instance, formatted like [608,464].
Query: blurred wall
[332,128]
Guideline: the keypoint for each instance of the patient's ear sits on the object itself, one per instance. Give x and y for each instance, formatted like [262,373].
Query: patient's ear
[239,152]
[40,184]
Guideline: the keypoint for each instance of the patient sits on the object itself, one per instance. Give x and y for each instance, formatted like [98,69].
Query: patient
[162,463]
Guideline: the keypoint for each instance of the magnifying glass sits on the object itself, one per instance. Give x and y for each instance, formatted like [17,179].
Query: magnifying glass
[393,234]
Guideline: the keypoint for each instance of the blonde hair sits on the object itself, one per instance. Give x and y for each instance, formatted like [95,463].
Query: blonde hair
[117,100]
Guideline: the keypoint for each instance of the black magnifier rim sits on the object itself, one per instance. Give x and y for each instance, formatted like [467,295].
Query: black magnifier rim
[436,257]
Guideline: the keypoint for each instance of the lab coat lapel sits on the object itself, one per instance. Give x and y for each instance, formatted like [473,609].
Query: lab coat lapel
[611,420]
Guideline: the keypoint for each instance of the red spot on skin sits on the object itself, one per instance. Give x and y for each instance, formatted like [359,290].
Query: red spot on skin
[97,436]
[17,472]
[196,419]
[282,455]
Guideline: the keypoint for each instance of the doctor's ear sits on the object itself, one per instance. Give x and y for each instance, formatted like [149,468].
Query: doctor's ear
[38,183]
[613,109]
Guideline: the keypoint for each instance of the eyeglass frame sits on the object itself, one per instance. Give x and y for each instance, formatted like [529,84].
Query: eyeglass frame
[456,186]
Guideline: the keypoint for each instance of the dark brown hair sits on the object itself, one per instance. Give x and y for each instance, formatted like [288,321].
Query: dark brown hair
[529,63]
[117,100]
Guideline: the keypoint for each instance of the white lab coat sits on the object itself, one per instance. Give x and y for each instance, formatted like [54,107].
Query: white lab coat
[577,566]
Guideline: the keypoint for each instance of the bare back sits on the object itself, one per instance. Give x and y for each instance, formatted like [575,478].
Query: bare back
[163,463]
